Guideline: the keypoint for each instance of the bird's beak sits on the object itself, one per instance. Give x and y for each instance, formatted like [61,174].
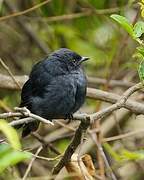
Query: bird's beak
[83,59]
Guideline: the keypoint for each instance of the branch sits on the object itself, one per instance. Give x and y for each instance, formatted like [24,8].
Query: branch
[25,11]
[100,148]
[73,145]
[45,144]
[25,112]
[9,72]
[132,105]
[120,103]
[7,83]
[85,13]
[31,163]
[21,121]
[85,124]
[122,136]
[94,81]
[65,16]
[61,17]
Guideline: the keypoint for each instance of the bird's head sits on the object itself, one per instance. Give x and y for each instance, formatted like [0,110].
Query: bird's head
[70,58]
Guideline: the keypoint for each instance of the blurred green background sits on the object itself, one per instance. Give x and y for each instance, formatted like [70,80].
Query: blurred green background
[84,26]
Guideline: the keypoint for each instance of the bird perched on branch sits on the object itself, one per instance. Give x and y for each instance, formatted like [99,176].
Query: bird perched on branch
[56,87]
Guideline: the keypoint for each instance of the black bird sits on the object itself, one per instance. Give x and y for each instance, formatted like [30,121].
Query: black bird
[56,87]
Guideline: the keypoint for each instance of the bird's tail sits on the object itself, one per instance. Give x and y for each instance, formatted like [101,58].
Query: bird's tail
[27,128]
[30,127]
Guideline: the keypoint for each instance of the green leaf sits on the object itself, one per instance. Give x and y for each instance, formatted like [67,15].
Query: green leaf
[109,149]
[139,29]
[140,49]
[141,71]
[4,149]
[124,23]
[139,54]
[10,156]
[139,155]
[124,154]
[10,133]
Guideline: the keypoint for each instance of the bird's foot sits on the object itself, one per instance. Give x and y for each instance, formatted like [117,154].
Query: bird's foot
[69,118]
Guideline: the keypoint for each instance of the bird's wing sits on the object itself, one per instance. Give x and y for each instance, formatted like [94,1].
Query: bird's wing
[33,85]
[58,97]
[26,94]
[41,75]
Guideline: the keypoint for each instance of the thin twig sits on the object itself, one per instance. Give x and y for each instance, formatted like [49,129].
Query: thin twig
[121,102]
[31,163]
[64,125]
[122,136]
[65,16]
[10,114]
[10,73]
[21,121]
[94,81]
[44,143]
[6,82]
[60,18]
[25,11]
[47,159]
[100,159]
[131,105]
[27,113]
[85,13]
[94,138]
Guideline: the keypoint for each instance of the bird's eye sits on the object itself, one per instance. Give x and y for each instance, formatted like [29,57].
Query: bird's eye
[74,60]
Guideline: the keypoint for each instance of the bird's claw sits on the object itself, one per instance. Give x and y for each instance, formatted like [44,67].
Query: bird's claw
[69,118]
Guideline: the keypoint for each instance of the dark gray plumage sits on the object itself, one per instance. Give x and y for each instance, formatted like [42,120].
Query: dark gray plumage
[56,87]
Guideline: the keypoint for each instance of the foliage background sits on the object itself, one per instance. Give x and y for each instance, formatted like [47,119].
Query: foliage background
[84,26]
